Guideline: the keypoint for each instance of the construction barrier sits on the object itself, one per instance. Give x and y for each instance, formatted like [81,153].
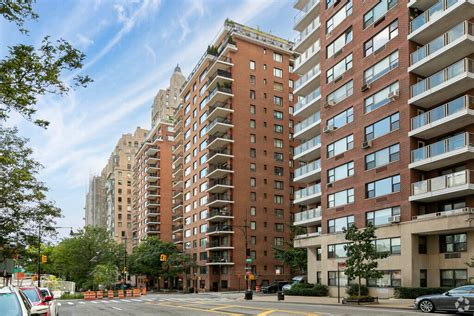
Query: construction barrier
[100,295]
[144,291]
[110,294]
[120,293]
[257,288]
[89,295]
[129,293]
[136,292]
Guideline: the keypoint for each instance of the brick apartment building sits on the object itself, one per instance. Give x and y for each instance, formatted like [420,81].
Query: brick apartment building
[233,159]
[385,96]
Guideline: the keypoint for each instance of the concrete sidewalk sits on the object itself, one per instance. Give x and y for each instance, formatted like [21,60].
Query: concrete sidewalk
[383,303]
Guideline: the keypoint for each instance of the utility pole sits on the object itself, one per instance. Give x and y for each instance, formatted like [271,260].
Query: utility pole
[247,254]
[39,255]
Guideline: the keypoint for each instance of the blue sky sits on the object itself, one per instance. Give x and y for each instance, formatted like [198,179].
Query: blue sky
[132,47]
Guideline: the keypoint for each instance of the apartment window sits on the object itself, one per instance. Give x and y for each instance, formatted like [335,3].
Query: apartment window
[278,143]
[291,84]
[341,172]
[339,69]
[381,68]
[253,94]
[186,98]
[332,278]
[389,279]
[277,72]
[339,224]
[341,198]
[252,79]
[378,11]
[252,109]
[381,217]
[264,66]
[253,138]
[278,100]
[278,115]
[382,127]
[337,45]
[337,251]
[382,157]
[187,121]
[381,39]
[253,225]
[382,187]
[253,211]
[253,166]
[380,98]
[340,94]
[253,240]
[422,245]
[277,87]
[388,245]
[340,146]
[453,243]
[423,278]
[278,128]
[252,65]
[253,196]
[252,124]
[278,57]
[278,199]
[253,153]
[278,171]
[279,241]
[341,119]
[279,185]
[278,156]
[453,278]
[338,17]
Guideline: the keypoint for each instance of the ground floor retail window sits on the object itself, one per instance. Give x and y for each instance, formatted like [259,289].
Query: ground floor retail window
[453,278]
[332,278]
[423,278]
[224,284]
[389,279]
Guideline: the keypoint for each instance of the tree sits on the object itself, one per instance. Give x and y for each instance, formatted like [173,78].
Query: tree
[295,258]
[105,275]
[362,255]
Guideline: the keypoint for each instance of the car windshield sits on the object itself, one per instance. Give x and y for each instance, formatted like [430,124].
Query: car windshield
[32,295]
[9,304]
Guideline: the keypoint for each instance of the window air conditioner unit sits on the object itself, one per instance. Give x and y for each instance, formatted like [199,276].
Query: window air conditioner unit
[393,95]
[337,53]
[367,144]
[394,219]
[365,87]
[331,103]
[328,129]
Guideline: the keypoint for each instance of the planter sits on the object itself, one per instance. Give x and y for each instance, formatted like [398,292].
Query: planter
[360,300]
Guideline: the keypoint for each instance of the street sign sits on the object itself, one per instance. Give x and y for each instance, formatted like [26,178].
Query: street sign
[249,260]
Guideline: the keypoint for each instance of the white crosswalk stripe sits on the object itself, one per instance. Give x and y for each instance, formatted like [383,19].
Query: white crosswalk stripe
[154,299]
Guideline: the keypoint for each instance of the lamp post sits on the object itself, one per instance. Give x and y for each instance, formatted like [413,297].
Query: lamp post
[243,229]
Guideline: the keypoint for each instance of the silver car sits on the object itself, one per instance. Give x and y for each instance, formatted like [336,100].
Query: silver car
[460,299]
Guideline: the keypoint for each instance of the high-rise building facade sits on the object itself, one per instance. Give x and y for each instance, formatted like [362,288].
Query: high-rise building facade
[233,152]
[385,96]
[95,202]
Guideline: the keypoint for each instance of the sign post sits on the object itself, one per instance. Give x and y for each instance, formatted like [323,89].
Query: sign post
[340,265]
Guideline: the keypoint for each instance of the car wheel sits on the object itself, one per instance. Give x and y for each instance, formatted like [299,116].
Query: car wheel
[426,306]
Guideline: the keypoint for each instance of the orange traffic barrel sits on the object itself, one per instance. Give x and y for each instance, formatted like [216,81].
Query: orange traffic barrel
[129,293]
[144,291]
[100,294]
[110,294]
[257,288]
[136,292]
[120,293]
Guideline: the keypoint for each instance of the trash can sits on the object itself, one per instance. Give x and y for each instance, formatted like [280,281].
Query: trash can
[248,295]
[281,296]
[191,290]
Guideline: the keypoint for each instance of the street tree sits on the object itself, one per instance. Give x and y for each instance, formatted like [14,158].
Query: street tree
[105,275]
[362,256]
[295,258]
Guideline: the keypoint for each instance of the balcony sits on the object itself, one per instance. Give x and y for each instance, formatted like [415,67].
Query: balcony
[153,212]
[421,5]
[177,216]
[176,228]
[308,59]
[445,118]
[152,186]
[219,78]
[221,110]
[307,13]
[219,156]
[178,172]
[444,153]
[220,261]
[152,168]
[219,141]
[151,151]
[152,195]
[220,215]
[219,200]
[219,230]
[153,221]
[308,36]
[177,207]
[439,18]
[152,230]
[308,105]
[219,171]
[222,63]
[309,195]
[444,85]
[177,185]
[307,240]
[308,217]
[220,94]
[219,125]
[151,204]
[309,127]
[152,160]
[443,50]
[308,82]
[309,150]
[459,211]
[152,177]
[219,245]
[450,186]
[219,185]
[308,173]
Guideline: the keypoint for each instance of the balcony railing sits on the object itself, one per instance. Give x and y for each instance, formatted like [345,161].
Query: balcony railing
[220,212]
[310,167]
[459,211]
[220,197]
[219,167]
[307,99]
[311,190]
[433,11]
[442,41]
[215,136]
[212,153]
[302,80]
[443,182]
[220,260]
[459,67]
[224,181]
[305,10]
[220,73]
[308,30]
[313,142]
[220,89]
[442,111]
[308,215]
[218,120]
[307,122]
[215,244]
[218,105]
[219,228]
[307,54]
[444,146]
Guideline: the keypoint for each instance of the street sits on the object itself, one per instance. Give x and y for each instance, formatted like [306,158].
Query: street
[209,304]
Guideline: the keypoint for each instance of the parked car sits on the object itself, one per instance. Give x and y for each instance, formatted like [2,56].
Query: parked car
[49,296]
[15,303]
[274,287]
[296,280]
[460,299]
[33,293]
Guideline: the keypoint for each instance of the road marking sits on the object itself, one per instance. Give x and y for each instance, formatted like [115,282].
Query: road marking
[126,301]
[119,309]
[70,303]
[135,300]
[115,301]
[148,300]
[267,312]
[81,302]
[221,307]
[59,304]
[105,302]
[94,302]
[200,309]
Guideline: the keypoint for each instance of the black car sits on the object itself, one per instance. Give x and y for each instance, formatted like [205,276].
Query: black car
[274,287]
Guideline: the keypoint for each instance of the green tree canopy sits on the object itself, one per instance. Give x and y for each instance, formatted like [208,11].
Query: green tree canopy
[295,258]
[145,258]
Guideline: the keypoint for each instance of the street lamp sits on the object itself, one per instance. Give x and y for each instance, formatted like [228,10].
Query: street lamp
[243,229]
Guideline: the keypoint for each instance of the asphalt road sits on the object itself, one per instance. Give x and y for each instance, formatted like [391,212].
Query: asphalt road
[212,304]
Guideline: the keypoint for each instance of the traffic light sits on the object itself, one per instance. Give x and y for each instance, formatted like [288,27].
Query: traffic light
[44,259]
[163,258]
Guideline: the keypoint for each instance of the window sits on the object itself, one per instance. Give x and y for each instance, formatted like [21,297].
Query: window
[252,95]
[279,241]
[253,166]
[423,278]
[340,68]
[340,198]
[252,124]
[378,11]
[253,225]
[383,37]
[279,171]
[390,245]
[253,182]
[277,87]
[253,153]
[278,199]
[278,100]
[252,65]
[382,127]
[381,68]
[337,45]
[341,172]
[453,278]
[382,187]
[380,217]
[337,251]
[252,109]
[278,128]
[341,93]
[422,245]
[338,17]
[252,79]
[380,98]
[279,227]
[277,57]
[279,185]
[278,115]
[389,279]
[332,278]
[253,138]
[278,156]
[278,72]
[253,196]
[341,119]
[340,146]
[278,143]
[382,157]
[339,224]
[453,243]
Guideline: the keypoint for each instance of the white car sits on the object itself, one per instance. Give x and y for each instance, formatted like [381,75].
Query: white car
[53,304]
[15,303]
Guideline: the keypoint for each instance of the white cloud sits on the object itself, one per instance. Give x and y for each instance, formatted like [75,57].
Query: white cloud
[83,41]
[151,52]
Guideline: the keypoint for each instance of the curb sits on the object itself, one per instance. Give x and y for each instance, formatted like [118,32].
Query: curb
[339,305]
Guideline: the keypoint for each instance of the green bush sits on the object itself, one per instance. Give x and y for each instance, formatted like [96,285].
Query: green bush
[362,298]
[414,292]
[74,296]
[353,290]
[302,286]
[315,290]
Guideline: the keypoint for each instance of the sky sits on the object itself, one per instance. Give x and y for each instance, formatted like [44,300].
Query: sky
[132,47]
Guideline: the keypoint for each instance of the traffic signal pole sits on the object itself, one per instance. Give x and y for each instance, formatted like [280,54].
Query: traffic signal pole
[39,255]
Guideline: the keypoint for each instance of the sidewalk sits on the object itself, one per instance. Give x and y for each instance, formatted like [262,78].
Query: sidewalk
[383,303]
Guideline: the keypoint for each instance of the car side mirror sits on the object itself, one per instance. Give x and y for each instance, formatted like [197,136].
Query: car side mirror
[39,309]
[447,294]
[48,298]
